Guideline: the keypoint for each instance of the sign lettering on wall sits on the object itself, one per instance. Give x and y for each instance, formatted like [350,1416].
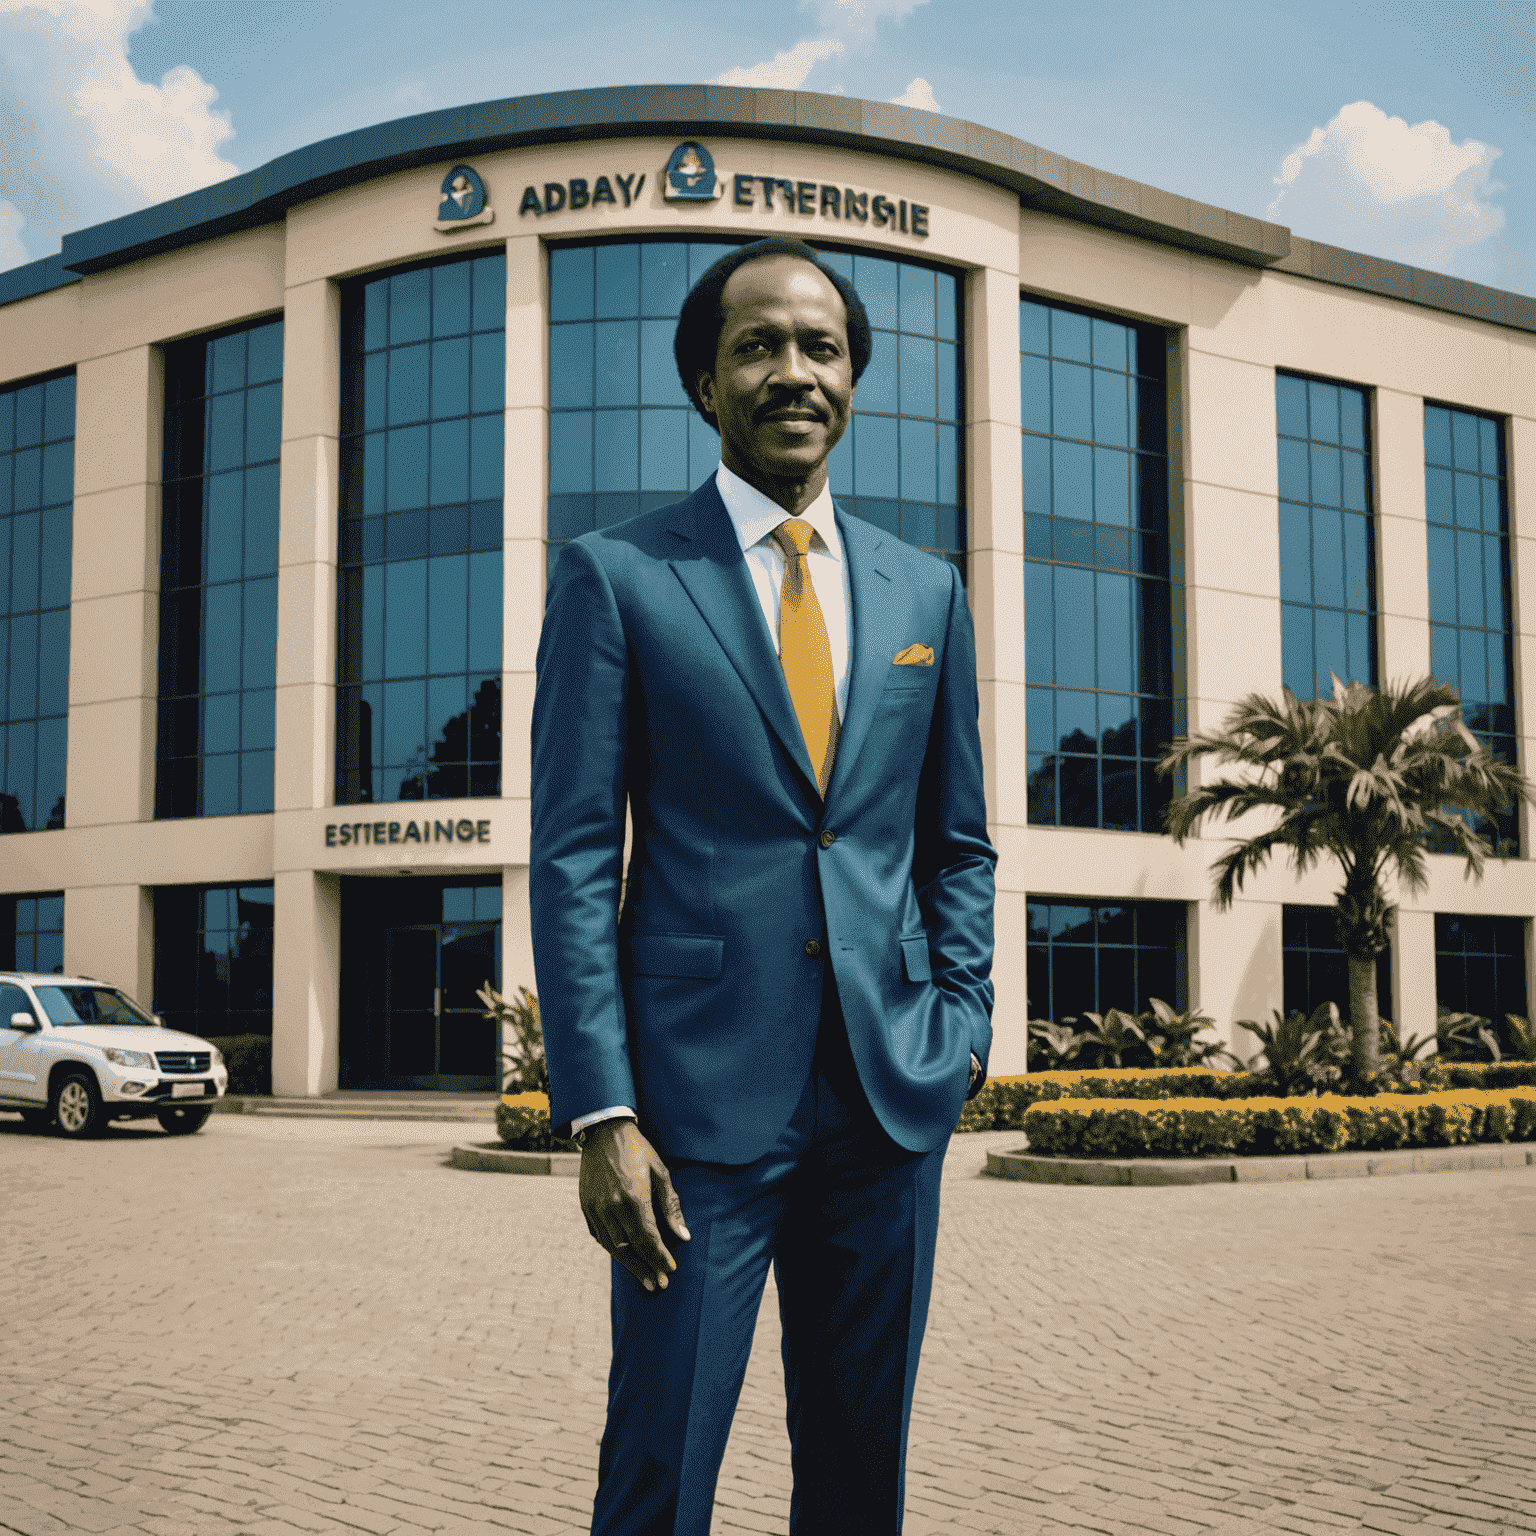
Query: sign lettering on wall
[343,834]
[691,176]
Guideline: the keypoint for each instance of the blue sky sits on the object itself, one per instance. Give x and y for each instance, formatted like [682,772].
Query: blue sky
[1404,129]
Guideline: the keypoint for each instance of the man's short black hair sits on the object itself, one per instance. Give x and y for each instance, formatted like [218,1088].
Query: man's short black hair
[701,317]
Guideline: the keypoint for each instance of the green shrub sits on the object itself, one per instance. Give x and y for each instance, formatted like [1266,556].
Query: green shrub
[249,1060]
[522,1122]
[1003,1101]
[1439,1073]
[1192,1127]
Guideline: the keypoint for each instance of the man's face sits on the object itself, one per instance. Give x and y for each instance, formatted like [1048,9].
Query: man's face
[782,387]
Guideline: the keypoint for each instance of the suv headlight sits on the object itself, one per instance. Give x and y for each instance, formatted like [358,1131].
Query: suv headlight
[124,1058]
[218,1055]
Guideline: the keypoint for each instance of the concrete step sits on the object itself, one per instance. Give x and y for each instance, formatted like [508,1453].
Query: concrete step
[478,1108]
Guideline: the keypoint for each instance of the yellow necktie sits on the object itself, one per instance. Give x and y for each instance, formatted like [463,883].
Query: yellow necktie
[805,653]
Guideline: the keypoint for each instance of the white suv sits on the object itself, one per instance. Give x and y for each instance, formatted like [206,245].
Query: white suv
[79,1053]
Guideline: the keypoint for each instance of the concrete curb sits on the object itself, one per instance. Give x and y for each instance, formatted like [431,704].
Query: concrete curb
[491,1158]
[1032,1168]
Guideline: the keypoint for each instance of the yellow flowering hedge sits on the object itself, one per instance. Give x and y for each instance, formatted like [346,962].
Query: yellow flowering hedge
[1003,1101]
[1439,1073]
[1195,1127]
[522,1121]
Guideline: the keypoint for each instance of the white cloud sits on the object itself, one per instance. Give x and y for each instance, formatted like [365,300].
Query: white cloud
[859,18]
[848,25]
[784,71]
[12,252]
[918,94]
[93,118]
[1373,183]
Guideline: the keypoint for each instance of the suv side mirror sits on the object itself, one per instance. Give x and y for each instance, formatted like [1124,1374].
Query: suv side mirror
[24,1022]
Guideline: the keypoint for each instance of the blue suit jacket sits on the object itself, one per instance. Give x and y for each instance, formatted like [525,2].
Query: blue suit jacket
[658,682]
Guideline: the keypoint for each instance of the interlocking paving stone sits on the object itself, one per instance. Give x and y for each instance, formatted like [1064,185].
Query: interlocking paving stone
[317,1328]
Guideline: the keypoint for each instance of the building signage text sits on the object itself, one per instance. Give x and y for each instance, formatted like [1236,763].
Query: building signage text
[691,176]
[341,834]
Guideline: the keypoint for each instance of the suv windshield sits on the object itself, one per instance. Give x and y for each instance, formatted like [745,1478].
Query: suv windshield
[88,1005]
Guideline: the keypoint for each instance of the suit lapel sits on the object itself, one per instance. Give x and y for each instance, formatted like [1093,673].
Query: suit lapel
[711,567]
[876,623]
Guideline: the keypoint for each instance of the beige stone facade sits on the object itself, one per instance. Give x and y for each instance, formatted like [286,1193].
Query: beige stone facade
[1234,324]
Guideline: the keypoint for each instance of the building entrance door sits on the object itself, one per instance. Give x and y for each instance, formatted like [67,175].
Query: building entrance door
[435,1036]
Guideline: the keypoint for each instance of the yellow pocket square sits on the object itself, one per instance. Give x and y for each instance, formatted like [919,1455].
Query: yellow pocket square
[915,655]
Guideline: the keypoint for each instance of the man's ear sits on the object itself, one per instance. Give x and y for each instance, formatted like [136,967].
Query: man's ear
[704,387]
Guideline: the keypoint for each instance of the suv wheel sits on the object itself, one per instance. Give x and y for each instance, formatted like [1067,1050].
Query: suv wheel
[76,1106]
[182,1121]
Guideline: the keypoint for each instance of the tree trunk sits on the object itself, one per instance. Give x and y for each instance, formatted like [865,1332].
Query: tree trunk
[1365,1023]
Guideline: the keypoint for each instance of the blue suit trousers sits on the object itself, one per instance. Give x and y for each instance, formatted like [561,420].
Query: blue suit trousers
[849,1220]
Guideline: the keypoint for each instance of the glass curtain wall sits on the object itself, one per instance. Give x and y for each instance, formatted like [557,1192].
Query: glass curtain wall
[213,958]
[1470,640]
[623,438]
[1089,957]
[1315,966]
[32,932]
[1097,615]
[423,392]
[1327,542]
[1480,966]
[37,492]
[218,574]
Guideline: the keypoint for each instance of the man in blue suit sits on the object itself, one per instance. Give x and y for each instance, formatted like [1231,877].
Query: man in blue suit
[765,1053]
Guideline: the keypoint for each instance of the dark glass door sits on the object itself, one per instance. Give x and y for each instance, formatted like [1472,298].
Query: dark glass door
[435,1036]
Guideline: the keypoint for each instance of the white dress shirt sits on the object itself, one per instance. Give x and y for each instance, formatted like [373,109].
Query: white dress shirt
[754,517]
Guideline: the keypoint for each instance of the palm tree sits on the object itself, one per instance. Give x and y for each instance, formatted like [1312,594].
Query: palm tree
[1364,778]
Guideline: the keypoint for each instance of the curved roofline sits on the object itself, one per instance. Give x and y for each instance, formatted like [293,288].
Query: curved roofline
[1039,178]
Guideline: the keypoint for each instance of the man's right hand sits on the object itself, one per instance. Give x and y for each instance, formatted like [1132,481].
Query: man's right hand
[627,1199]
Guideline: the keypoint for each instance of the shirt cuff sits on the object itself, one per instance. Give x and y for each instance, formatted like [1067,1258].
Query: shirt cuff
[581,1122]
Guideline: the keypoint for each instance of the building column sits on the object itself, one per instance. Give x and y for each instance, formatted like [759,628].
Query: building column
[1402,549]
[1414,992]
[306,973]
[109,934]
[1235,966]
[995,588]
[306,983]
[522,562]
[305,759]
[115,589]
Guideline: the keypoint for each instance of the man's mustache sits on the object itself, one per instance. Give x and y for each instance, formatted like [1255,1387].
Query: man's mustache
[790,402]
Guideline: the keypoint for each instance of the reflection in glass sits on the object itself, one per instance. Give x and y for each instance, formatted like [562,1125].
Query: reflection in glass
[1470,642]
[1090,958]
[1327,536]
[32,932]
[218,573]
[213,958]
[420,580]
[1098,617]
[37,446]
[1480,966]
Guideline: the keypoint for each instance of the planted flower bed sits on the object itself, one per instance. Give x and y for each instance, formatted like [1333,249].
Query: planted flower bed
[1259,1127]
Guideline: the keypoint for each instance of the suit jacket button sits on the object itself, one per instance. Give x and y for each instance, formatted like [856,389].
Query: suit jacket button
[828,838]
[813,946]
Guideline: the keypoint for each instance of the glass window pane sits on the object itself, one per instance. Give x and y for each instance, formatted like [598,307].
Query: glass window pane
[617,281]
[1291,405]
[450,377]
[409,318]
[570,282]
[918,390]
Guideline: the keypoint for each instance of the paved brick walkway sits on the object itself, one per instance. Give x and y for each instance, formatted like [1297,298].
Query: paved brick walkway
[279,1327]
